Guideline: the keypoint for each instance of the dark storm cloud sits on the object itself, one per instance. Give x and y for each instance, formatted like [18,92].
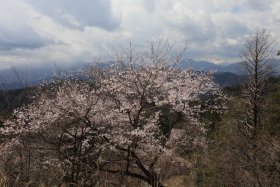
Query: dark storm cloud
[79,14]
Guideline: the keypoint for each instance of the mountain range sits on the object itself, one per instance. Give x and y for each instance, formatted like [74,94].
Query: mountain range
[13,78]
[209,66]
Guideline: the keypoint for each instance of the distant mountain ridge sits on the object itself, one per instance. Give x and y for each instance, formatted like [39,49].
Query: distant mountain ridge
[225,74]
[234,68]
[209,66]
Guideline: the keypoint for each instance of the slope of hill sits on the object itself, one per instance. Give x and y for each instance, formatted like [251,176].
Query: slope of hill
[226,79]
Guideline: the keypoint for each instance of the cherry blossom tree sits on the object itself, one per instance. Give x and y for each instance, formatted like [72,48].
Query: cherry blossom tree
[65,122]
[147,96]
[122,119]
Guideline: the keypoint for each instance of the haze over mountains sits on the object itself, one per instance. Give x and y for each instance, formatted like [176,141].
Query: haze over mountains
[225,74]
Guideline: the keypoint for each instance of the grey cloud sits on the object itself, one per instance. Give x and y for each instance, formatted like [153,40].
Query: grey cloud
[150,5]
[233,29]
[228,51]
[276,20]
[23,37]
[199,32]
[218,47]
[213,31]
[259,5]
[79,14]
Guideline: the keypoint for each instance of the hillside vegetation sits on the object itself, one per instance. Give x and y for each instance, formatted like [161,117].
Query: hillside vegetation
[143,122]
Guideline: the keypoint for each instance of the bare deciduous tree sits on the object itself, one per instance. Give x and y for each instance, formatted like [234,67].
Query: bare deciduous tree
[258,58]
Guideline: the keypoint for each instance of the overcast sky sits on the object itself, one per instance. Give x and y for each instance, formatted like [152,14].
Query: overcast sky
[72,31]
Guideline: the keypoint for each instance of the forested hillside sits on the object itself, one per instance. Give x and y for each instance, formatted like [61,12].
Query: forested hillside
[143,122]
